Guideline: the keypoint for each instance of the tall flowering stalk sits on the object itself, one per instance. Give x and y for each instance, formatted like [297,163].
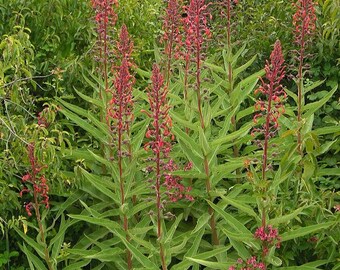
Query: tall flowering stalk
[119,113]
[197,32]
[227,12]
[172,36]
[36,185]
[304,21]
[105,18]
[271,107]
[159,142]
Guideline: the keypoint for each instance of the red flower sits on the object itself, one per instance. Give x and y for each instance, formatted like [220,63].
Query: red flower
[38,182]
[271,107]
[105,16]
[304,22]
[124,45]
[119,112]
[159,141]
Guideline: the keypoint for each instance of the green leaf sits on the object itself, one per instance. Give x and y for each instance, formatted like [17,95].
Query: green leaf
[286,218]
[305,231]
[233,222]
[191,251]
[236,56]
[201,222]
[80,111]
[169,235]
[215,68]
[100,136]
[301,267]
[38,248]
[242,251]
[328,171]
[237,237]
[69,201]
[213,265]
[94,101]
[243,67]
[225,170]
[77,265]
[95,85]
[106,255]
[143,73]
[274,260]
[204,142]
[116,229]
[311,108]
[327,130]
[241,206]
[241,91]
[98,184]
[32,258]
[313,86]
[57,241]
[232,136]
[138,137]
[188,141]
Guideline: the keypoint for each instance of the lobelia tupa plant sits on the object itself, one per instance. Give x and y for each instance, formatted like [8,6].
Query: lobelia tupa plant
[159,141]
[119,115]
[197,34]
[105,18]
[159,133]
[304,27]
[36,184]
[270,107]
[227,12]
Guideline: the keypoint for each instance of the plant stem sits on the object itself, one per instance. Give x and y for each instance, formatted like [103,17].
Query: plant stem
[158,181]
[214,236]
[41,229]
[299,116]
[121,182]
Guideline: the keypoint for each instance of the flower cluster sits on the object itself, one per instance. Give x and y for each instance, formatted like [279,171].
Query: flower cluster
[119,110]
[124,45]
[196,24]
[226,12]
[172,29]
[249,264]
[175,190]
[272,107]
[106,16]
[37,181]
[159,132]
[269,236]
[42,120]
[304,22]
[159,141]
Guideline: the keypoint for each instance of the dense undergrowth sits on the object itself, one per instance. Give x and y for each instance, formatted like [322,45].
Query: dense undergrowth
[169,134]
